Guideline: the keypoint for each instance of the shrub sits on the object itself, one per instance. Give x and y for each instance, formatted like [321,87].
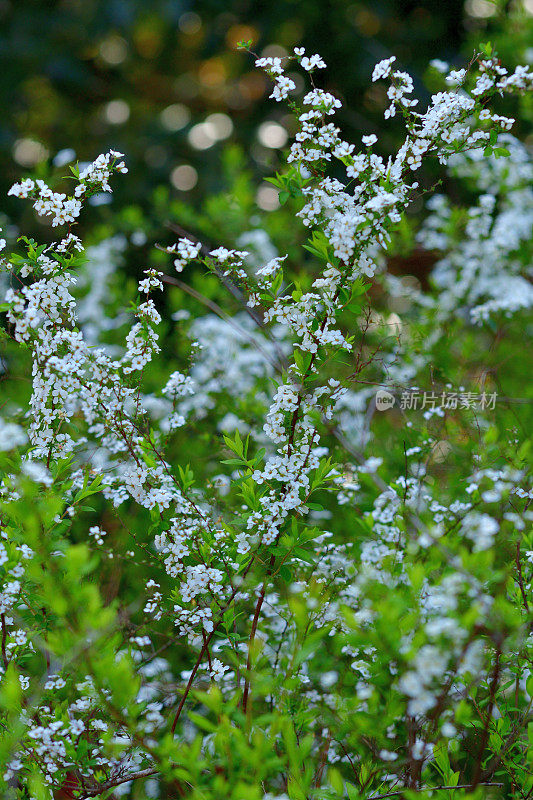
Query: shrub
[271,599]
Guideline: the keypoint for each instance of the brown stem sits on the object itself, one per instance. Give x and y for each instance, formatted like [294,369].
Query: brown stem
[204,648]
[5,659]
[520,576]
[253,631]
[191,679]
[206,643]
[485,734]
[111,784]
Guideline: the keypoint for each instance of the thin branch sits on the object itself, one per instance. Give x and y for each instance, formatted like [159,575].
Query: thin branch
[485,734]
[216,309]
[4,637]
[191,679]
[111,784]
[230,286]
[253,631]
[520,576]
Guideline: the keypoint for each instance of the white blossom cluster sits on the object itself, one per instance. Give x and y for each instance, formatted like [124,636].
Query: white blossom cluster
[487,271]
[65,208]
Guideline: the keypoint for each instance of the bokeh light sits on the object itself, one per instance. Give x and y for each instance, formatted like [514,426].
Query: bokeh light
[480,8]
[114,50]
[184,177]
[272,134]
[190,22]
[29,152]
[117,112]
[175,117]
[267,197]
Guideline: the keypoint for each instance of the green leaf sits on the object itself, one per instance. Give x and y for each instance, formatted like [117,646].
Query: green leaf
[336,781]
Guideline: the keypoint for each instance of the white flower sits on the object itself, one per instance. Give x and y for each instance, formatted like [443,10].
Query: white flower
[11,435]
[440,66]
[383,68]
[218,669]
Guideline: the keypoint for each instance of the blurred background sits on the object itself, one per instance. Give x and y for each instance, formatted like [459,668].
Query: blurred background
[163,82]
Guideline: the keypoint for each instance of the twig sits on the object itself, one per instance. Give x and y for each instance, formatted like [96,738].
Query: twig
[191,679]
[220,313]
[230,286]
[253,631]
[111,784]
[485,734]
[4,637]
[521,577]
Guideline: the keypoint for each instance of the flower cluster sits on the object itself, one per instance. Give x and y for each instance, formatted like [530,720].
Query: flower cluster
[64,208]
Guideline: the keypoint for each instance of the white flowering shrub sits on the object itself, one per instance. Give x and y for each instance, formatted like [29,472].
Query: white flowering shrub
[232,579]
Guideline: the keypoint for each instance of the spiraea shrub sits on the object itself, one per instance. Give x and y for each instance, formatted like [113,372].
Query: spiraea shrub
[291,558]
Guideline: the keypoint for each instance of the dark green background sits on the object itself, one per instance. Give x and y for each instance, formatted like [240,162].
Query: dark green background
[56,77]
